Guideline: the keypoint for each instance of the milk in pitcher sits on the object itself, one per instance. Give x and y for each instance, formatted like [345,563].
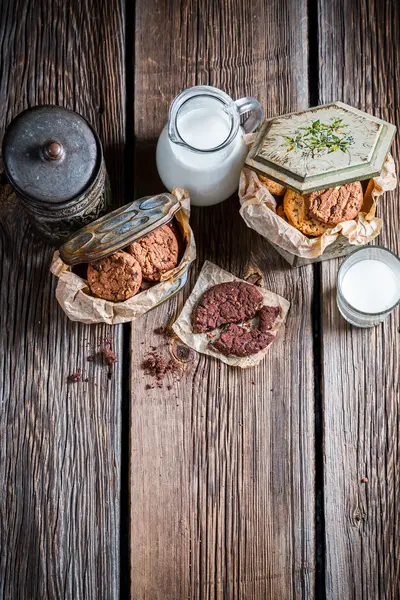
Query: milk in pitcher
[201,148]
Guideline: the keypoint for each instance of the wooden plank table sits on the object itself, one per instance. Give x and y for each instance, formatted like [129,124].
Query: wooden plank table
[223,484]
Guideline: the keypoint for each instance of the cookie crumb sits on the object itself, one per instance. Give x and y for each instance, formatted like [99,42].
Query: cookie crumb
[90,358]
[109,356]
[75,377]
[158,367]
[364,480]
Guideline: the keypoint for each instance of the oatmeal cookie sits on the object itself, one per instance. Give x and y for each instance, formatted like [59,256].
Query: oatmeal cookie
[156,253]
[116,277]
[296,210]
[231,302]
[238,341]
[337,204]
[275,188]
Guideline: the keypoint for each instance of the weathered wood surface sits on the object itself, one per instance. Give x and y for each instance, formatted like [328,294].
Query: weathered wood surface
[222,463]
[359,64]
[59,442]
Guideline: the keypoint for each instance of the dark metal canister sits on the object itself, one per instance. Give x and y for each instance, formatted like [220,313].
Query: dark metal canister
[54,160]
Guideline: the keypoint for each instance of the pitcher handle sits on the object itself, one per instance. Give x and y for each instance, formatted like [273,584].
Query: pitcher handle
[252,106]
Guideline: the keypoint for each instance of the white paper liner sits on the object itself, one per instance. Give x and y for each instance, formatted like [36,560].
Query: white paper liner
[73,293]
[258,208]
[210,275]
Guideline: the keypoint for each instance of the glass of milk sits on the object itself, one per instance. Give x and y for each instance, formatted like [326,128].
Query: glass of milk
[368,286]
[201,148]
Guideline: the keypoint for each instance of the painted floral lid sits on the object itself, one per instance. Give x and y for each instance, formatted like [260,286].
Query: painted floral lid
[321,147]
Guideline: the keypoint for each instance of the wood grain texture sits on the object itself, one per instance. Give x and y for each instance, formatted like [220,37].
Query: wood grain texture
[359,64]
[222,461]
[59,442]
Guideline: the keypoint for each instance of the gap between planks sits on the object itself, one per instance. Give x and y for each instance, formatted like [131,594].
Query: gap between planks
[316,311]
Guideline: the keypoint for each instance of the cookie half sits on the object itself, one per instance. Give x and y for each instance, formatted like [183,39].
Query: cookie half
[238,341]
[337,204]
[296,210]
[230,302]
[116,277]
[156,253]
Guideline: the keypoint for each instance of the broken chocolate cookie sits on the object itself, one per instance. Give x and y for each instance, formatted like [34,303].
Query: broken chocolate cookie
[238,341]
[232,302]
[267,317]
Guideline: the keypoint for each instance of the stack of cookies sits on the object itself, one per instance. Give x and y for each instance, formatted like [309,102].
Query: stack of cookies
[315,213]
[123,274]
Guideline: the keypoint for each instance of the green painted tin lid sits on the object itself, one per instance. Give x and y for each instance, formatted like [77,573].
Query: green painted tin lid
[119,228]
[321,147]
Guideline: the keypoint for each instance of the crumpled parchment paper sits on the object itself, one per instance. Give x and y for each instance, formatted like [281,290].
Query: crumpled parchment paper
[258,209]
[210,275]
[73,293]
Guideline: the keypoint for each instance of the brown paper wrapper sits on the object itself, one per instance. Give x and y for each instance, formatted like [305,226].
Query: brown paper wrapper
[73,293]
[258,209]
[211,275]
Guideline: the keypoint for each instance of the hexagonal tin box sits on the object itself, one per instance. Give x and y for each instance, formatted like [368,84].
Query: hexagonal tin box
[321,147]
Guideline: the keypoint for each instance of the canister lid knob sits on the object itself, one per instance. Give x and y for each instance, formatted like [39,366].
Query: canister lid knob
[53,150]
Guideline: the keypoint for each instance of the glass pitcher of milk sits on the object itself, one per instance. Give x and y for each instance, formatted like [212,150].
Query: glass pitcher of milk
[201,148]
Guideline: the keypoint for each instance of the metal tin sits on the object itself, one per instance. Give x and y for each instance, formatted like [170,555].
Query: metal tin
[54,160]
[321,147]
[120,228]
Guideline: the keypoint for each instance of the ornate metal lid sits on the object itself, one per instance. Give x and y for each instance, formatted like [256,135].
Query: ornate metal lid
[321,147]
[119,228]
[51,154]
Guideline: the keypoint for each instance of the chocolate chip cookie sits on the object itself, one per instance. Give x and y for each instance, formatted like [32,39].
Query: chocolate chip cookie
[238,341]
[116,277]
[275,188]
[337,204]
[156,253]
[231,302]
[296,210]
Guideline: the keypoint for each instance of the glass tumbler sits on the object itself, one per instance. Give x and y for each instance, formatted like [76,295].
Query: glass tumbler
[368,286]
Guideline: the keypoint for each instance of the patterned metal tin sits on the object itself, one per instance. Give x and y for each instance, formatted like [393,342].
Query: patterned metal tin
[321,147]
[56,225]
[54,160]
[119,228]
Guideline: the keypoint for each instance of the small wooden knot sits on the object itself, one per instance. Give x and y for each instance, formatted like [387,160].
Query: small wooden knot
[358,516]
[181,352]
[255,277]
